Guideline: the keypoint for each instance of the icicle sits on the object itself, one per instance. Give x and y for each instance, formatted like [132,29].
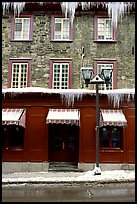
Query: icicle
[70,97]
[69,8]
[6,6]
[17,7]
[86,5]
[116,9]
[116,98]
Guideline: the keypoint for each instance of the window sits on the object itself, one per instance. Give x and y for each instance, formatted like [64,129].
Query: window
[104,31]
[19,74]
[111,137]
[22,28]
[97,69]
[60,74]
[12,136]
[61,29]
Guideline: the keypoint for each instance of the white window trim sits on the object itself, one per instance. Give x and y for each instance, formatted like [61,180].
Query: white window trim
[104,31]
[22,31]
[19,76]
[60,76]
[61,39]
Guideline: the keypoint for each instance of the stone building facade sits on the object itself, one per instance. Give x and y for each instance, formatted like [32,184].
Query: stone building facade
[41,49]
[33,140]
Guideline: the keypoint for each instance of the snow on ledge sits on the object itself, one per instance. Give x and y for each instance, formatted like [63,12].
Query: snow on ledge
[69,95]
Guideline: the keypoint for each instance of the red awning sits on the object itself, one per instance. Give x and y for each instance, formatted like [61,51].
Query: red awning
[63,116]
[112,117]
[13,117]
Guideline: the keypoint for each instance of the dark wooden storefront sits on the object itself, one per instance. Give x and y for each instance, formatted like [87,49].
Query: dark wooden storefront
[65,142]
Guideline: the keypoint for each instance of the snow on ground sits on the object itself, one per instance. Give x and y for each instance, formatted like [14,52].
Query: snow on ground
[88,176]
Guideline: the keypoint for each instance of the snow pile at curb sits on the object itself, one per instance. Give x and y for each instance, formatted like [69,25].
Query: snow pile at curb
[106,176]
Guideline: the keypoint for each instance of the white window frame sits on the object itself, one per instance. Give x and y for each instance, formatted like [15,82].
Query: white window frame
[22,29]
[62,29]
[104,29]
[20,71]
[60,76]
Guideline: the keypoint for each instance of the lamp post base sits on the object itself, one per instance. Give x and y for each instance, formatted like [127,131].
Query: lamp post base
[97,171]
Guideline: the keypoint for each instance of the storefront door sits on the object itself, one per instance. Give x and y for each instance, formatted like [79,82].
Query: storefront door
[63,142]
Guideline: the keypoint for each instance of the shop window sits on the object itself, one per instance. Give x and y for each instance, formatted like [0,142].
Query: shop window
[22,28]
[61,29]
[60,74]
[13,136]
[104,31]
[111,137]
[19,73]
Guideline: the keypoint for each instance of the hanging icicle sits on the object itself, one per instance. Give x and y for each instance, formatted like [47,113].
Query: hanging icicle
[17,7]
[119,95]
[69,96]
[115,9]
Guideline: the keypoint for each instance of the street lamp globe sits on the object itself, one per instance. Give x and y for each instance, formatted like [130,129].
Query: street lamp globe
[106,72]
[87,75]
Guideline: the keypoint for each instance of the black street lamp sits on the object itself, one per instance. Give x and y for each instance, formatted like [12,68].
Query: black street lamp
[104,78]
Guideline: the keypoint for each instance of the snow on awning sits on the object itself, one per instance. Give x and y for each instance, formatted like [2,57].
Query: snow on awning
[63,116]
[112,117]
[13,117]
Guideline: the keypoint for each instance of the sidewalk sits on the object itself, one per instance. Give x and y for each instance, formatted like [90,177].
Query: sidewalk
[114,176]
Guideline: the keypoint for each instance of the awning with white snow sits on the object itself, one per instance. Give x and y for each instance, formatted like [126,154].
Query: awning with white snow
[63,116]
[13,117]
[112,117]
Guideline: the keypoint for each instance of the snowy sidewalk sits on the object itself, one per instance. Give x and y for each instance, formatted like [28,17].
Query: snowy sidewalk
[69,177]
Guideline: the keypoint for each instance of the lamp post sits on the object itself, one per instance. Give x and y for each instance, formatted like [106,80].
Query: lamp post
[87,76]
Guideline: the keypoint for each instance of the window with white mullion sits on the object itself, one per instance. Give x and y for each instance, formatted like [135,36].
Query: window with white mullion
[104,29]
[65,29]
[105,86]
[22,28]
[56,76]
[65,74]
[23,75]
[25,28]
[60,76]
[61,28]
[15,74]
[19,75]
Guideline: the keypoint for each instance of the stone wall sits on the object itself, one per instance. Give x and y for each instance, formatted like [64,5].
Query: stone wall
[41,49]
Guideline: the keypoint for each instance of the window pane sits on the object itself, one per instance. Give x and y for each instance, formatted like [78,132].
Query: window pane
[104,29]
[61,29]
[60,75]
[4,135]
[105,137]
[115,137]
[58,27]
[17,35]
[18,27]
[15,136]
[19,75]
[22,28]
